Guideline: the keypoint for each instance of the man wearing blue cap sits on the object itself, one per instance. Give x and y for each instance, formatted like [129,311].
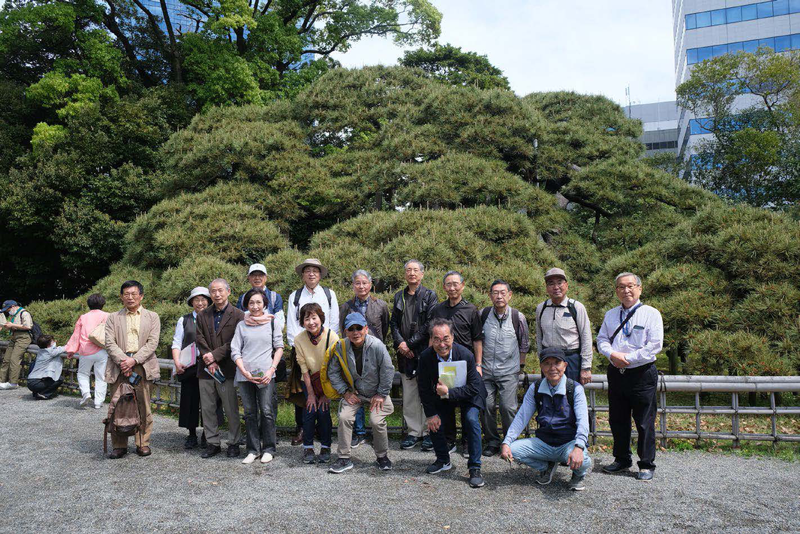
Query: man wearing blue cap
[563,419]
[19,323]
[371,372]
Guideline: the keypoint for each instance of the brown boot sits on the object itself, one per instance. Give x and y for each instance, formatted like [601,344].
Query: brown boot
[298,439]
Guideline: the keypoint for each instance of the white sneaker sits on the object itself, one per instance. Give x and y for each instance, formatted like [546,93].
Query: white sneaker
[85,399]
[249,459]
[98,406]
[12,386]
[266,458]
[4,385]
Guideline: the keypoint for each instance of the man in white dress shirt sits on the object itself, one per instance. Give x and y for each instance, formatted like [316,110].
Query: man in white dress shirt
[311,271]
[631,336]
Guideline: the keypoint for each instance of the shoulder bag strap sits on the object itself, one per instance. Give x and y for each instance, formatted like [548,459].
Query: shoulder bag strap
[623,323]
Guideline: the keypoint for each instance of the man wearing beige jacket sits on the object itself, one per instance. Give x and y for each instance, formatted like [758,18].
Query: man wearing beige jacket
[131,340]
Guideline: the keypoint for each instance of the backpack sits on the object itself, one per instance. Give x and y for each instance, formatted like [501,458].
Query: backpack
[123,414]
[514,318]
[297,300]
[573,311]
[341,355]
[35,331]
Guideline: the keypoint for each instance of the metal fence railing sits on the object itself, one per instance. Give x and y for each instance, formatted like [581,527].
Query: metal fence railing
[166,393]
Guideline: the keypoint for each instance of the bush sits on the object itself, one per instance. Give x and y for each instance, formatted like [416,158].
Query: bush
[229,228]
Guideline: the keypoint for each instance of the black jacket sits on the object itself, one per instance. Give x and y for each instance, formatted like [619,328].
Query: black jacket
[426,300]
[473,392]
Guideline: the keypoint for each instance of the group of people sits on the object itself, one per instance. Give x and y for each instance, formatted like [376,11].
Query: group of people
[338,352]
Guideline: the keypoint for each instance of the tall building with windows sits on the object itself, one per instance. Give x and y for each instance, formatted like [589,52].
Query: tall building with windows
[183,18]
[704,29]
[660,125]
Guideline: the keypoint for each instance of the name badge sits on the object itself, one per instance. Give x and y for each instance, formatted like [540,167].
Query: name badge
[567,314]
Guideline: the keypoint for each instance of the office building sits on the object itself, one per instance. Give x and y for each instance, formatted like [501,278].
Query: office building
[704,29]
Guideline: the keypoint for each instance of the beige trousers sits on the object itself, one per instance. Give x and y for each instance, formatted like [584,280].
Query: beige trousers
[377,419]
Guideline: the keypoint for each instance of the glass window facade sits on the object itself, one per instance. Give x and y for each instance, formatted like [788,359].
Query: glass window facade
[779,44]
[731,15]
[700,126]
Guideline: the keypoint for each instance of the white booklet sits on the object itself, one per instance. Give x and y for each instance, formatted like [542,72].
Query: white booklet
[188,355]
[453,374]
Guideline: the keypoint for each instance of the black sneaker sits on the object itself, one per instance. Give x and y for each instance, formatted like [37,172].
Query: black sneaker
[384,463]
[357,440]
[475,478]
[546,476]
[308,456]
[410,442]
[427,444]
[645,474]
[490,451]
[233,451]
[438,467]
[211,451]
[324,455]
[341,465]
[616,467]
[190,443]
[576,483]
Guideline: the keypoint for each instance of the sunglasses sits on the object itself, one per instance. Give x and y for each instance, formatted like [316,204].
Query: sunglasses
[355,328]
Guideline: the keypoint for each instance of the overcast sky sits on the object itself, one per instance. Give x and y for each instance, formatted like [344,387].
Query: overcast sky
[588,46]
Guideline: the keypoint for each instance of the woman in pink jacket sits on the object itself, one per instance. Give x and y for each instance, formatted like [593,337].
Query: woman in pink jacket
[89,354]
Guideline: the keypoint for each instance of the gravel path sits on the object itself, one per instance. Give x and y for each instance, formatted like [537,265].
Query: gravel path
[53,477]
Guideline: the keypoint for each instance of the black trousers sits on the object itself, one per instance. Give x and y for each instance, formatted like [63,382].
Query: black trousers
[189,415]
[633,393]
[46,387]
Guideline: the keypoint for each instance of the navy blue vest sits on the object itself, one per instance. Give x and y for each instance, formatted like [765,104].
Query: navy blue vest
[557,422]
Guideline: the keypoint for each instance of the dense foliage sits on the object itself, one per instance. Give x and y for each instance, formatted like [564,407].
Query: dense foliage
[366,168]
[132,150]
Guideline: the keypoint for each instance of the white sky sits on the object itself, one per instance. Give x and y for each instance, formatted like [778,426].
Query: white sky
[588,46]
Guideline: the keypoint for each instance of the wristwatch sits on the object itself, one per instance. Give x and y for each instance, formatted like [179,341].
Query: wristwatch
[581,447]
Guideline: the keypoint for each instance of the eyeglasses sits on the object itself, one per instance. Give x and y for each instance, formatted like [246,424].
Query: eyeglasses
[130,295]
[629,286]
[355,328]
[556,283]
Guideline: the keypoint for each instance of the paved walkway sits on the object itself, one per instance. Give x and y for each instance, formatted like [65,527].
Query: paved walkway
[53,477]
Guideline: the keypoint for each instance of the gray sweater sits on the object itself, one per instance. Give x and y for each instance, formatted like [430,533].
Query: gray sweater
[256,345]
[48,363]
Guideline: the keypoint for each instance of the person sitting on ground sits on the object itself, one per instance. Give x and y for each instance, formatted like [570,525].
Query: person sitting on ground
[372,372]
[45,378]
[256,349]
[310,347]
[440,402]
[563,425]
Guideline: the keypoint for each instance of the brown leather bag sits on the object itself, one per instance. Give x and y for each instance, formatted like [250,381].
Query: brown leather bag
[123,414]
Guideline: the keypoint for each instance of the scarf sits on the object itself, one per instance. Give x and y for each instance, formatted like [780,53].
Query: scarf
[250,320]
[315,339]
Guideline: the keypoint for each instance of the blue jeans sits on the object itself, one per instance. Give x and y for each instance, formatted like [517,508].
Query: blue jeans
[258,416]
[535,453]
[472,431]
[360,426]
[316,419]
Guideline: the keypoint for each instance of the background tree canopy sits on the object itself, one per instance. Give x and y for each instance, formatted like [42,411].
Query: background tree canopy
[367,168]
[133,146]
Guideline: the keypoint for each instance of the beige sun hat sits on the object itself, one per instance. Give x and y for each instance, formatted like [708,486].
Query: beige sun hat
[312,262]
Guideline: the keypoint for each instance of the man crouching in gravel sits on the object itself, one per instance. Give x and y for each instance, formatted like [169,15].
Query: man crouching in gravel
[372,372]
[563,419]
